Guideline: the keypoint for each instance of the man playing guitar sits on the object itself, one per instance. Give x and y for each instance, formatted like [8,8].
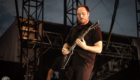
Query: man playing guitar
[82,61]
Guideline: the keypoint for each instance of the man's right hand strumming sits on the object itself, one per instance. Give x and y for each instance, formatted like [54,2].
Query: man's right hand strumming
[65,49]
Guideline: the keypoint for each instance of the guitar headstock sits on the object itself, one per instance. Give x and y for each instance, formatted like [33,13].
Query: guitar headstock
[94,25]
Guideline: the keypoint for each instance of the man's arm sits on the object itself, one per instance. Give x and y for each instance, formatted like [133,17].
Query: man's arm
[65,49]
[50,72]
[97,48]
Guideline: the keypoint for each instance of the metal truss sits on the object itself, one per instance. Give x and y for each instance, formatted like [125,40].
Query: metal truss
[70,11]
[110,68]
[119,50]
[52,39]
[30,29]
[121,53]
[137,3]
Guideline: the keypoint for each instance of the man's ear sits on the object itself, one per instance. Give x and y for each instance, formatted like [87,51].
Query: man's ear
[88,14]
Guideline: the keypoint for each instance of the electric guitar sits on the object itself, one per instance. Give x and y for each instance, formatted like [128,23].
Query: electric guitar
[67,57]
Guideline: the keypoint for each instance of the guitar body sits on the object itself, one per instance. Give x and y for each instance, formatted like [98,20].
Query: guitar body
[65,59]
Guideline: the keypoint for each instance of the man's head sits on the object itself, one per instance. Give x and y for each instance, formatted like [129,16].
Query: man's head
[82,14]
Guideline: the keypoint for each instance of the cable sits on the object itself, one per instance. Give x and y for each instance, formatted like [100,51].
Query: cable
[106,8]
[116,21]
[95,5]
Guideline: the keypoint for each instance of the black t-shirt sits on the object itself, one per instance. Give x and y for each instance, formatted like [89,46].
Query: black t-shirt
[80,55]
[57,67]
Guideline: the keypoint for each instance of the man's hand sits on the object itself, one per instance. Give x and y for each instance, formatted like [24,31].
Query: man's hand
[81,43]
[65,51]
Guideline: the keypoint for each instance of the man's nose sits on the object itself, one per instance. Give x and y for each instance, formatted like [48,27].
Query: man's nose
[81,16]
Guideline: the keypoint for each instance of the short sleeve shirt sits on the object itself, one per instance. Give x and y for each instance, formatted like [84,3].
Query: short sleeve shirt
[94,35]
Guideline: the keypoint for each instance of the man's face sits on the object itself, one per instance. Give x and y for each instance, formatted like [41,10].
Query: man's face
[82,15]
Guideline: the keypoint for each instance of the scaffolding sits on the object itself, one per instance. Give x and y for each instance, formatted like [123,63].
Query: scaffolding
[70,11]
[137,3]
[120,57]
[31,32]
